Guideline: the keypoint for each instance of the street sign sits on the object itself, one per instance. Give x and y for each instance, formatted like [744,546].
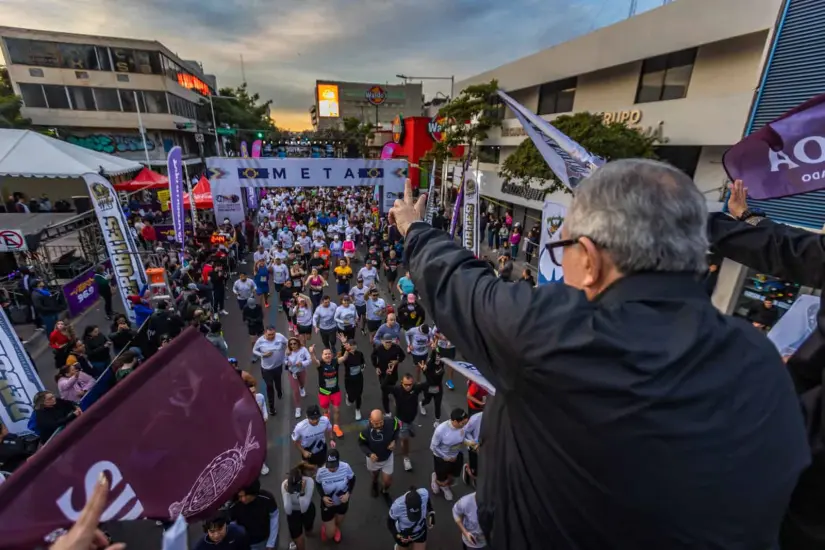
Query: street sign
[198,138]
[12,240]
[227,132]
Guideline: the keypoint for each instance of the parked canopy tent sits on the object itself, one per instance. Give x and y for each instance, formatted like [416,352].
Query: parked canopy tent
[146,179]
[203,195]
[29,154]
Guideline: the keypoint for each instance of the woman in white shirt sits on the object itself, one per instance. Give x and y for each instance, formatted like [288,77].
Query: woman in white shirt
[298,360]
[297,492]
[302,313]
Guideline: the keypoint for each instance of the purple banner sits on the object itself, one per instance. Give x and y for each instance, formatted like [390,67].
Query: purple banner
[166,232]
[460,198]
[251,198]
[785,157]
[244,150]
[81,292]
[175,167]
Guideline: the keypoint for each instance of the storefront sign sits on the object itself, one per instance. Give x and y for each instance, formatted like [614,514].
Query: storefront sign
[516,131]
[106,143]
[631,118]
[436,128]
[12,240]
[398,130]
[376,95]
[81,292]
[193,83]
[523,191]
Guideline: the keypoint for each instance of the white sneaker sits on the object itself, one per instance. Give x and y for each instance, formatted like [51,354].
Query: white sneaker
[297,412]
[264,470]
[433,485]
[303,392]
[224,312]
[436,423]
[407,464]
[448,494]
[422,410]
[357,414]
[293,546]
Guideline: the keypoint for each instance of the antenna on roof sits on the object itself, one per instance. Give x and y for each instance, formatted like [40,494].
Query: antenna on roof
[632,11]
[243,70]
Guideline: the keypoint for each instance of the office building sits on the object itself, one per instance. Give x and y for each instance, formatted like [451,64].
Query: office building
[377,104]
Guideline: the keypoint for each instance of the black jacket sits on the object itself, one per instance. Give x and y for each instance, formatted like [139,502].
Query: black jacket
[643,419]
[796,255]
[409,317]
[381,357]
[377,442]
[406,402]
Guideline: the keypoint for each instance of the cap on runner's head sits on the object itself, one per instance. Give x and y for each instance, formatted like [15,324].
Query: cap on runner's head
[412,500]
[458,415]
[387,337]
[314,412]
[411,298]
[360,280]
[333,458]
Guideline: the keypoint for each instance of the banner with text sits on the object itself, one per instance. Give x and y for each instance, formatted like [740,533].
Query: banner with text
[18,379]
[120,244]
[552,218]
[81,293]
[175,168]
[470,373]
[469,234]
[431,206]
[785,157]
[460,198]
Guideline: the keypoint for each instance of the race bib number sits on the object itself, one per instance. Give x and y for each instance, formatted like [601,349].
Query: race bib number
[355,371]
[330,383]
[434,389]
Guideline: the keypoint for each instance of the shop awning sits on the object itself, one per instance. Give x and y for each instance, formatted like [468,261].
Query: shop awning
[146,179]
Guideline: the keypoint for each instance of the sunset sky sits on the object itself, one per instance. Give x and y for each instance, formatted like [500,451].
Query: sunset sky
[289,44]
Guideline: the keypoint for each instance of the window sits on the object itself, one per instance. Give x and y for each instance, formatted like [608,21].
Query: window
[666,77]
[103,60]
[487,153]
[107,99]
[33,52]
[181,107]
[82,98]
[33,95]
[77,56]
[81,75]
[557,97]
[123,78]
[127,98]
[36,72]
[136,61]
[155,102]
[57,98]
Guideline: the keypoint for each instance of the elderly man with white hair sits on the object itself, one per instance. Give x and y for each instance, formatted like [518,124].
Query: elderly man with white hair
[629,413]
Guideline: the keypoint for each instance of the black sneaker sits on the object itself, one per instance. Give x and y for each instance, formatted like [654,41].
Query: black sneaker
[272,410]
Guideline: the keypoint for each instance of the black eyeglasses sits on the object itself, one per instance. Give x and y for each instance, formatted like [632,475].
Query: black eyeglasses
[555,247]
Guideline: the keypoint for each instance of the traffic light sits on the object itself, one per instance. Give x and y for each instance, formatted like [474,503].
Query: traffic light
[260,135]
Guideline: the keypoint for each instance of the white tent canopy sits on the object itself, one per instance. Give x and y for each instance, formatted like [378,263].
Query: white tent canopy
[29,154]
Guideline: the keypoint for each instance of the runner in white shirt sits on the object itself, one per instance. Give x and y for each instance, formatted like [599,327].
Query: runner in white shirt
[359,294]
[465,514]
[318,244]
[261,255]
[298,360]
[300,228]
[318,233]
[334,482]
[369,274]
[446,445]
[472,439]
[310,437]
[419,342]
[265,239]
[376,312]
[271,348]
[279,252]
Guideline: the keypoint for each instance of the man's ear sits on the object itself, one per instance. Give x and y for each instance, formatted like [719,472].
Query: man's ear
[594,265]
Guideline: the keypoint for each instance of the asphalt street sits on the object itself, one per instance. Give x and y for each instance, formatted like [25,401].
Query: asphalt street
[365,525]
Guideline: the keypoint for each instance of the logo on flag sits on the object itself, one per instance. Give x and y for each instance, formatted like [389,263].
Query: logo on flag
[103,196]
[217,173]
[253,173]
[370,173]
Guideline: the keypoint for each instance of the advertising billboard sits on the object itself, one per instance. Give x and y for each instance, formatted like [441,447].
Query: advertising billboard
[328,101]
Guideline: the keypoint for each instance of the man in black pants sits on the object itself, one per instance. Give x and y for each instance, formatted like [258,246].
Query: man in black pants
[104,287]
[385,359]
[406,408]
[353,362]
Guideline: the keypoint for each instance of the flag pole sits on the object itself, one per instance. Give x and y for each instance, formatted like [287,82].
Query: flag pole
[142,130]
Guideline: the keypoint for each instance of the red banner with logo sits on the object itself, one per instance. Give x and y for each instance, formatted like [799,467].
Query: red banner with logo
[180,434]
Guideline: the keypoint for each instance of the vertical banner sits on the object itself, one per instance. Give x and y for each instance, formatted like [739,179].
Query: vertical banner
[256,148]
[251,198]
[460,198]
[430,212]
[120,244]
[244,150]
[174,166]
[469,234]
[227,202]
[552,218]
[18,379]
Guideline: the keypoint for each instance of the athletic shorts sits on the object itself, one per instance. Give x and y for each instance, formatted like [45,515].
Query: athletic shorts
[391,276]
[449,353]
[304,329]
[333,398]
[386,466]
[420,538]
[444,469]
[320,458]
[256,329]
[328,514]
[261,292]
[418,358]
[362,310]
[373,326]
[348,332]
[299,523]
[406,431]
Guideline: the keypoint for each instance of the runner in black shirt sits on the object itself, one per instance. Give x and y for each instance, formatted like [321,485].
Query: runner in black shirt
[329,390]
[406,408]
[353,362]
[385,245]
[257,512]
[433,371]
[287,297]
[391,264]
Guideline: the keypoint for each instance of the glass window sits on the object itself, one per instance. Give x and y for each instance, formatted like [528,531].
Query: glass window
[155,102]
[124,60]
[557,97]
[666,77]
[56,96]
[487,153]
[103,60]
[77,56]
[33,52]
[127,98]
[107,99]
[82,98]
[36,72]
[32,95]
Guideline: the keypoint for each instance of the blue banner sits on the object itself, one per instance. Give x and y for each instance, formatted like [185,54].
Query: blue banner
[175,168]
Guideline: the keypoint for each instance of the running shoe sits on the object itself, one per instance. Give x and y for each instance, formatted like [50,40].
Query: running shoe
[264,470]
[422,410]
[357,414]
[436,423]
[297,412]
[303,392]
[433,485]
[224,312]
[338,431]
[465,474]
[450,384]
[448,493]
[407,464]
[293,546]
[337,536]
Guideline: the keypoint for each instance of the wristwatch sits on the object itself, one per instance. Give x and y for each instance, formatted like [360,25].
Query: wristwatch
[750,217]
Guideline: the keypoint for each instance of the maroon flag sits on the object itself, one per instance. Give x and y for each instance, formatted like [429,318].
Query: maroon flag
[785,157]
[179,435]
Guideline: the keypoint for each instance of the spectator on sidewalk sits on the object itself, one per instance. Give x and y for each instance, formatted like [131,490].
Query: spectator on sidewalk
[46,306]
[103,282]
[59,340]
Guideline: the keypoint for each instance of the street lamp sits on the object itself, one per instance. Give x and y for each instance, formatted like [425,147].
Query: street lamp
[214,123]
[406,78]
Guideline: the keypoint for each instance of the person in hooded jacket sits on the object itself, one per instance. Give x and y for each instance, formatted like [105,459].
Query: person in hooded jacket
[141,309]
[410,313]
[164,321]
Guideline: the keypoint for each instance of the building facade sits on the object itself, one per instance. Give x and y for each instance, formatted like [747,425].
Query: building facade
[95,91]
[377,104]
[685,72]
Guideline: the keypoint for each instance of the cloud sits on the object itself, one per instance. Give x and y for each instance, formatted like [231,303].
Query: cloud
[286,46]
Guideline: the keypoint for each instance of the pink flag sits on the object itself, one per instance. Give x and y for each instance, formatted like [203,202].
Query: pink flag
[256,148]
[181,434]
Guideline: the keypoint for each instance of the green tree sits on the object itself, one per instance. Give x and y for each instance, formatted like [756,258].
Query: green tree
[10,104]
[468,118]
[355,133]
[610,141]
[246,112]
